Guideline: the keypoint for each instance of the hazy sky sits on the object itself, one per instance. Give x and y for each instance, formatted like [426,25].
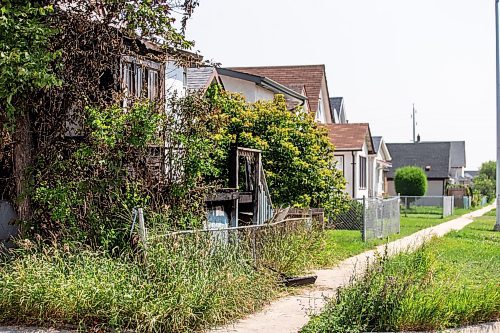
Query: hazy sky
[380,55]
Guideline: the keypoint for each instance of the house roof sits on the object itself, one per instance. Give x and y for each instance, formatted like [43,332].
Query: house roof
[471,173]
[200,78]
[289,92]
[435,155]
[310,76]
[457,154]
[350,136]
[376,143]
[336,103]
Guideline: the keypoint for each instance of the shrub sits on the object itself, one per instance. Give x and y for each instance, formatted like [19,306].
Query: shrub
[485,182]
[410,180]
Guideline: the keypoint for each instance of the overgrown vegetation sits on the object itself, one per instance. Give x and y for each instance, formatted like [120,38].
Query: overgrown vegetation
[411,181]
[450,282]
[85,151]
[185,282]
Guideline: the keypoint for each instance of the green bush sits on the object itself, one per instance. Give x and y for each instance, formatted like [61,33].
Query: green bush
[411,181]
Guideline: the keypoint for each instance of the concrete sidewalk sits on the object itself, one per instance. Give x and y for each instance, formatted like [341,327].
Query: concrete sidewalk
[291,313]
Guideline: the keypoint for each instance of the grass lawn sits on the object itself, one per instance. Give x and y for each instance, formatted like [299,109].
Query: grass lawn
[338,245]
[450,282]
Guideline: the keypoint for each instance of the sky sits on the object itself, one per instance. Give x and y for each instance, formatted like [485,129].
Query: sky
[380,55]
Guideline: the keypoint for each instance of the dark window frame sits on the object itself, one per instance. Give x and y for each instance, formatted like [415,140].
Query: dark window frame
[362,172]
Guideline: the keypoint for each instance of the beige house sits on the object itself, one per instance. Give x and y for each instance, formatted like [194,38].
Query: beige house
[353,148]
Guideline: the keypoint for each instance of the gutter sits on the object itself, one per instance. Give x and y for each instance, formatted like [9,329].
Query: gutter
[263,82]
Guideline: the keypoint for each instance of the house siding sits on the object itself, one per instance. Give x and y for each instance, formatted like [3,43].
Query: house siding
[434,187]
[249,90]
[352,174]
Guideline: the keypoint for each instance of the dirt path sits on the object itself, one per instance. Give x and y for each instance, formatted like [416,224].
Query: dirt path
[291,313]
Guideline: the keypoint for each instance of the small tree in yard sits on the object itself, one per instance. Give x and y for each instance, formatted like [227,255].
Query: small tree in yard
[411,181]
[485,182]
[298,158]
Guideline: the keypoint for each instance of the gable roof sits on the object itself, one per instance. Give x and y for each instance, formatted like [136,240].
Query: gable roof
[421,154]
[289,92]
[376,143]
[200,78]
[457,154]
[350,136]
[336,102]
[310,76]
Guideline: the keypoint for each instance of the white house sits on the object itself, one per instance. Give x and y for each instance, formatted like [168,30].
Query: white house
[353,148]
[378,163]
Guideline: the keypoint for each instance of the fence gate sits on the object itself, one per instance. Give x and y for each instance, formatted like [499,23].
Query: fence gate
[373,217]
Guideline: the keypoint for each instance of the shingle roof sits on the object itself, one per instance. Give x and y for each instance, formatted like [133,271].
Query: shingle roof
[457,154]
[422,154]
[310,76]
[350,136]
[336,102]
[199,78]
[376,143]
[471,173]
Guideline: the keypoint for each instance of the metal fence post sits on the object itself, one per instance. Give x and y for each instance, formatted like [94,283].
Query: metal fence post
[364,219]
[442,210]
[399,213]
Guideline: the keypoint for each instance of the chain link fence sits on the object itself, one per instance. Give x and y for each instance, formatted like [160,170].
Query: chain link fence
[382,218]
[427,206]
[282,247]
[373,217]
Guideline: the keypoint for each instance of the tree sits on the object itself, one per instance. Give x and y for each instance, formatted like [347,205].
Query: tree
[53,56]
[25,59]
[411,181]
[488,170]
[298,157]
[485,182]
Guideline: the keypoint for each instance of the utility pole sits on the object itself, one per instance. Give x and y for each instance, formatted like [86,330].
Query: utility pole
[414,123]
[497,224]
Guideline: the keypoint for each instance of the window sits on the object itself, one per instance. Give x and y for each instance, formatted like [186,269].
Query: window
[141,78]
[340,163]
[362,172]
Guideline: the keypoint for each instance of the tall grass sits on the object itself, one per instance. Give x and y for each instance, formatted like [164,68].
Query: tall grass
[182,284]
[448,283]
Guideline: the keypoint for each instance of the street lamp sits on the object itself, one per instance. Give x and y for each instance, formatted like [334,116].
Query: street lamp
[497,224]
